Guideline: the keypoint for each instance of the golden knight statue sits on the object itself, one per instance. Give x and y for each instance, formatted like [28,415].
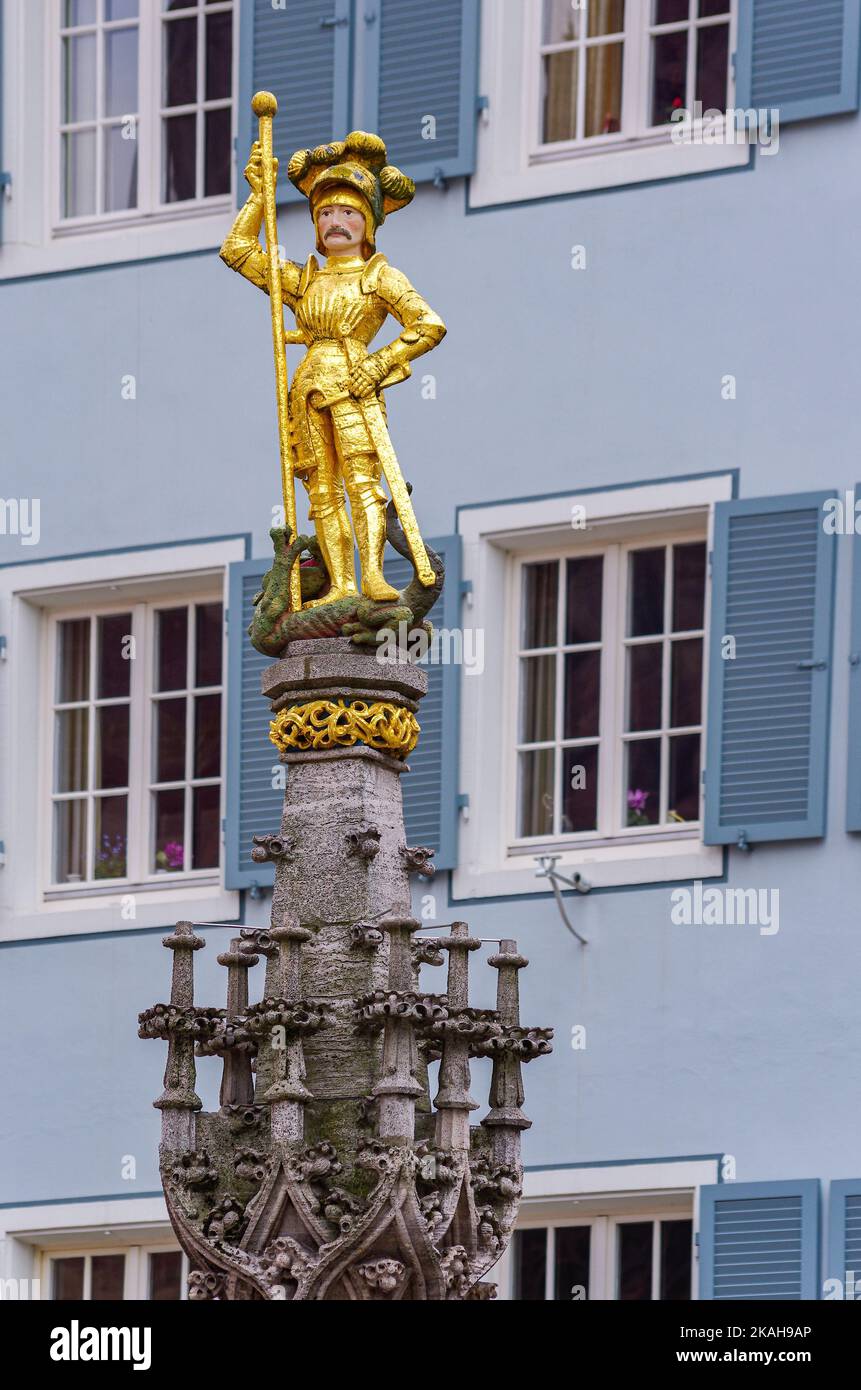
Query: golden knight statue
[334,415]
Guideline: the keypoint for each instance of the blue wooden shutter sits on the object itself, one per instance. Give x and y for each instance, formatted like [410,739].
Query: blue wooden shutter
[430,787]
[844,1232]
[800,56]
[254,806]
[301,53]
[853,794]
[767,716]
[5,179]
[422,60]
[760,1240]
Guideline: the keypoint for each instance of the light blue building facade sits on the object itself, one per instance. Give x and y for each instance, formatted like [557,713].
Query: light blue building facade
[637,447]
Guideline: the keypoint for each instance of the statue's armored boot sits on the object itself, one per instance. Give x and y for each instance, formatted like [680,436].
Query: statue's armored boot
[368,506]
[335,538]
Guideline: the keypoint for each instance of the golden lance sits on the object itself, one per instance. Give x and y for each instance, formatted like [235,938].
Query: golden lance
[264,105]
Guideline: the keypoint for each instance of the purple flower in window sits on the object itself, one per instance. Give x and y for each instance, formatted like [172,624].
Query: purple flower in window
[173,854]
[637,801]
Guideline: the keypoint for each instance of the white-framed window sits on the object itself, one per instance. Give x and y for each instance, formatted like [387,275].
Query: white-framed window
[144,93]
[640,1257]
[608,672]
[612,70]
[581,95]
[98,1274]
[136,714]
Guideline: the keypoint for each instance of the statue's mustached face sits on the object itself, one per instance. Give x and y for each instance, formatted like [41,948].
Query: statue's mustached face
[341,229]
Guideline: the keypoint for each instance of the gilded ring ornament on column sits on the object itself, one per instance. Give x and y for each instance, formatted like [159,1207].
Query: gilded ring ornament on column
[323,724]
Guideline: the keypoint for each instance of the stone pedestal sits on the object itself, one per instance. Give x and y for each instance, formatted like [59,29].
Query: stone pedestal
[336,1181]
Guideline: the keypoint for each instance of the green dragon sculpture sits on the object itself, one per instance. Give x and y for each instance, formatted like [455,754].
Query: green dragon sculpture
[275,623]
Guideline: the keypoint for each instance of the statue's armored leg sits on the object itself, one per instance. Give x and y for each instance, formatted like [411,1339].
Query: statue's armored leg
[368,505]
[328,511]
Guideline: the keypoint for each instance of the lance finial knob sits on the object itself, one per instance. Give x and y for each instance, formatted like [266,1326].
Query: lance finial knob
[264,104]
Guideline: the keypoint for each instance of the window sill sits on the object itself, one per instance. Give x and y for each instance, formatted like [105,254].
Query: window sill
[93,892]
[92,913]
[96,243]
[504,176]
[621,865]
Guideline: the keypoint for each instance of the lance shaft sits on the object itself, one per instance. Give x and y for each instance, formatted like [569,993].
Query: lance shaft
[264,105]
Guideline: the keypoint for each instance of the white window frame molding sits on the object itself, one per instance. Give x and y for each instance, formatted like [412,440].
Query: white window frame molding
[513,166]
[492,535]
[28,593]
[575,1195]
[35,241]
[30,1235]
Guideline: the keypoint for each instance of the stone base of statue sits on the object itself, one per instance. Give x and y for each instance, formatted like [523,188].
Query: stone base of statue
[327,1173]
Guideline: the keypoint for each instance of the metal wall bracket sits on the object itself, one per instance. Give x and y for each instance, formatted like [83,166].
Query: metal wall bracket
[547,869]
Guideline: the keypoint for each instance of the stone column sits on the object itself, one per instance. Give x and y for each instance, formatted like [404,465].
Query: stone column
[398,1087]
[343,815]
[453,1101]
[179,1100]
[288,1095]
[505,1119]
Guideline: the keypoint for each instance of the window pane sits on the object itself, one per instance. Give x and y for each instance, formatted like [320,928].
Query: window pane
[669,73]
[686,682]
[112,746]
[170,740]
[684,789]
[582,694]
[572,1262]
[635,1260]
[606,17]
[79,174]
[535,799]
[180,59]
[537,699]
[70,853]
[646,589]
[689,583]
[712,62]
[583,579]
[710,7]
[643,788]
[121,171]
[676,1238]
[539,599]
[670,11]
[172,640]
[79,78]
[169,830]
[219,48]
[579,789]
[70,758]
[121,9]
[67,1282]
[180,166]
[208,644]
[216,169]
[530,1258]
[644,687]
[111,836]
[107,1277]
[121,72]
[560,96]
[114,667]
[562,22]
[604,89]
[206,806]
[165,1276]
[73,660]
[207,736]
